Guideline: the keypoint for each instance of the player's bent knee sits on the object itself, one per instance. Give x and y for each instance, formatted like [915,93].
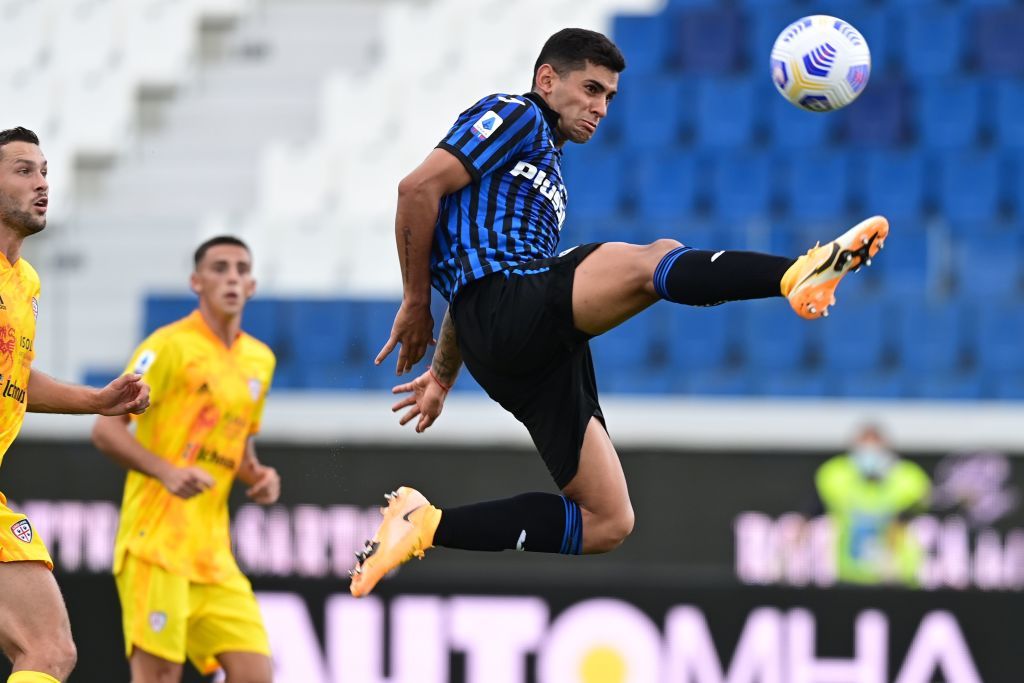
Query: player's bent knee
[613,531]
[662,246]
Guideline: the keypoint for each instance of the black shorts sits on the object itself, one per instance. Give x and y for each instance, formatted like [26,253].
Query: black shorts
[517,339]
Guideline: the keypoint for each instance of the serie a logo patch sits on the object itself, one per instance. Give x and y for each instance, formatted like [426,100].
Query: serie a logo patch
[23,530]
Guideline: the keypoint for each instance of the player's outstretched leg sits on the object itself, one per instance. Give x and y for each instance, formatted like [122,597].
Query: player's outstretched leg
[617,281]
[810,283]
[406,532]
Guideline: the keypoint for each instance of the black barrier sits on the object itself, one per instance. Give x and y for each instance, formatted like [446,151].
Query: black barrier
[480,631]
[698,515]
[677,571]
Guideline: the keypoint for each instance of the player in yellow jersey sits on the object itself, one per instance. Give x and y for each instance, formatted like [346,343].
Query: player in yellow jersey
[182,594]
[34,630]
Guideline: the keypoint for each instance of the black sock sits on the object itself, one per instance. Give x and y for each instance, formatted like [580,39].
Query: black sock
[705,278]
[538,522]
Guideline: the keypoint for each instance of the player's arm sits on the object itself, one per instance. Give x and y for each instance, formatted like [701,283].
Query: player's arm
[428,391]
[419,196]
[111,436]
[126,394]
[263,481]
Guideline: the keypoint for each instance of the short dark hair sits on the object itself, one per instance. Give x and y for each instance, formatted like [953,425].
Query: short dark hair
[18,134]
[571,48]
[215,242]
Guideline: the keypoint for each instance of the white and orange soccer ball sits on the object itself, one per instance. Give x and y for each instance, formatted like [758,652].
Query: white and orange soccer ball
[820,63]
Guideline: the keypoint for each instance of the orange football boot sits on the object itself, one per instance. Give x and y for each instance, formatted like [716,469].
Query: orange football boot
[810,283]
[406,532]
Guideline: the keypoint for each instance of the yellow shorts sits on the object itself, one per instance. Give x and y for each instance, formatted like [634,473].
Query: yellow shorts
[171,617]
[18,540]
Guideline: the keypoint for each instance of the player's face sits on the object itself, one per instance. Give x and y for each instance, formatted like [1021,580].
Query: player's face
[223,280]
[24,191]
[581,99]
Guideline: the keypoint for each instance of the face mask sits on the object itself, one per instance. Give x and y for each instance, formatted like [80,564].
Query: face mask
[872,462]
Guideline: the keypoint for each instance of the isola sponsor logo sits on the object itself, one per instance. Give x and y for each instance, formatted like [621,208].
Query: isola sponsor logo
[12,390]
[211,456]
[556,194]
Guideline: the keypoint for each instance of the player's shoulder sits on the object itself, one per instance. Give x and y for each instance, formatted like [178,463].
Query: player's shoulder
[504,105]
[27,272]
[170,335]
[257,349]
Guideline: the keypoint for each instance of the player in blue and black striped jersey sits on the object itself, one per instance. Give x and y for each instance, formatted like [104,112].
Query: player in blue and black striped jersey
[480,220]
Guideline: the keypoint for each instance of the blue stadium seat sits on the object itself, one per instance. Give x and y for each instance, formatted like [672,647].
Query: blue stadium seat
[376,316]
[879,116]
[875,24]
[612,380]
[674,4]
[641,342]
[667,185]
[918,4]
[869,384]
[163,309]
[715,235]
[792,127]
[262,319]
[894,184]
[961,386]
[646,38]
[997,35]
[330,376]
[969,186]
[595,179]
[1004,386]
[718,383]
[702,338]
[100,377]
[931,339]
[742,185]
[949,113]
[1000,333]
[766,19]
[988,263]
[656,111]
[726,112]
[1013,184]
[817,185]
[323,338]
[286,375]
[905,266]
[792,383]
[933,43]
[1009,124]
[708,40]
[774,338]
[856,336]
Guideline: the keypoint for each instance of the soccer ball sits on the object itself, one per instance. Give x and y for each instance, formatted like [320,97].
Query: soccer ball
[820,63]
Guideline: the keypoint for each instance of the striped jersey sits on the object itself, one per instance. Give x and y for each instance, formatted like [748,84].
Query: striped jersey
[514,207]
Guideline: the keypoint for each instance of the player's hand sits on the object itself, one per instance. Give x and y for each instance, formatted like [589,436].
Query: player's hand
[186,482]
[126,394]
[267,488]
[414,330]
[425,399]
